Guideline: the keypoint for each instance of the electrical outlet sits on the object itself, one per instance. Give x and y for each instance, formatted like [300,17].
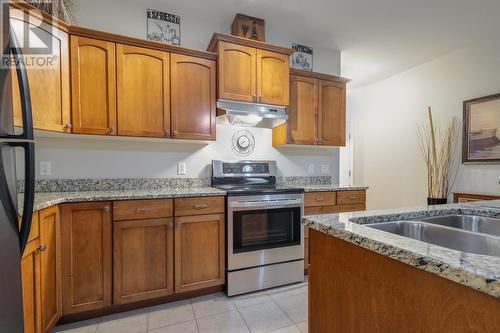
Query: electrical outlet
[181,168]
[325,168]
[310,168]
[45,168]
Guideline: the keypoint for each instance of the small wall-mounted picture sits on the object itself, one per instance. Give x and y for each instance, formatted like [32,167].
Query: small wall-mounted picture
[164,27]
[481,136]
[302,57]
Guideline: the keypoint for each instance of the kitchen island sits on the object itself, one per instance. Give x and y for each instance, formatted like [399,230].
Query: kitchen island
[366,280]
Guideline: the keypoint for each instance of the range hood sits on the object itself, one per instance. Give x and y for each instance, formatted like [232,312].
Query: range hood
[250,114]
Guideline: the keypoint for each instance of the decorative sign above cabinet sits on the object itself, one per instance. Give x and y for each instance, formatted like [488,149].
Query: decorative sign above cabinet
[164,27]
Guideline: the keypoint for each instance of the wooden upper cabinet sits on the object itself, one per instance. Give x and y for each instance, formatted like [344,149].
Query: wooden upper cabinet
[251,71]
[199,252]
[331,115]
[303,110]
[86,230]
[93,86]
[143,259]
[48,74]
[193,87]
[237,74]
[143,84]
[272,77]
[31,287]
[316,115]
[50,267]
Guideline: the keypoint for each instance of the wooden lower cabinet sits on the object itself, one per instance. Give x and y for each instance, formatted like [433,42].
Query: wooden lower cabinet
[143,259]
[50,263]
[86,257]
[199,252]
[31,287]
[317,203]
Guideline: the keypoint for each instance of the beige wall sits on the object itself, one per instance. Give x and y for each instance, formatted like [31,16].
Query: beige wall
[385,116]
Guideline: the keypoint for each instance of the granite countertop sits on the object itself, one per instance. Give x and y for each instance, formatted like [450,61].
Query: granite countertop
[47,199]
[330,188]
[479,272]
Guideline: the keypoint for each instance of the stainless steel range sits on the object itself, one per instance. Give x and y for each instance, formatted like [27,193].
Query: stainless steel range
[264,233]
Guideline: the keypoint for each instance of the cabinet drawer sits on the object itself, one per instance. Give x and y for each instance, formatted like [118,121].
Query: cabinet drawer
[142,209]
[319,210]
[351,197]
[315,199]
[199,206]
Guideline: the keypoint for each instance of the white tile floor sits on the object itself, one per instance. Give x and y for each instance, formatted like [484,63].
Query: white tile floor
[279,310]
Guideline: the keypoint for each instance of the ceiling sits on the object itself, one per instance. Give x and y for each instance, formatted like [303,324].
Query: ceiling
[377,38]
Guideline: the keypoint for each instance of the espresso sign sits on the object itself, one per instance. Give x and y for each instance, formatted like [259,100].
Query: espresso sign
[164,27]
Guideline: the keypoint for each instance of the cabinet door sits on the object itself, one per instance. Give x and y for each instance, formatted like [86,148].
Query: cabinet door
[143,91]
[331,113]
[199,252]
[86,243]
[192,97]
[143,259]
[273,75]
[48,76]
[31,287]
[237,74]
[303,111]
[93,86]
[50,263]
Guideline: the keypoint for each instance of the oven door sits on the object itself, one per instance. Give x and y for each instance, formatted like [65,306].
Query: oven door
[264,230]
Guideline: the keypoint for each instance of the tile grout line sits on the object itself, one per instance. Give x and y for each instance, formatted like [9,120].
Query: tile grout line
[244,320]
[194,315]
[286,314]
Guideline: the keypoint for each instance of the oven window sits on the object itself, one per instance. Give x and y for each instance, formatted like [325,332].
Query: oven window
[265,229]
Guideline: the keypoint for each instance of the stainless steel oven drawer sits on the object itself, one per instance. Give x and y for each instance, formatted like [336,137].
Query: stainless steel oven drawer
[264,277]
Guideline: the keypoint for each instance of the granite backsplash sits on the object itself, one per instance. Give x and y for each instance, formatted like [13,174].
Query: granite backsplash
[121,184]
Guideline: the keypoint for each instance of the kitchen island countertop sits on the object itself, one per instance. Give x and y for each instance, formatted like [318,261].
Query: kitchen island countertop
[479,272]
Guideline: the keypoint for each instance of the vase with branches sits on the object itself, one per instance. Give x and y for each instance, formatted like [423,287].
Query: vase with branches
[437,146]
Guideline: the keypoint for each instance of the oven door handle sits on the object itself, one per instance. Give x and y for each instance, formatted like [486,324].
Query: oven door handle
[266,204]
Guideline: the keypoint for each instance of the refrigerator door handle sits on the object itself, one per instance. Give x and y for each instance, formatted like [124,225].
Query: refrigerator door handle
[29,192]
[24,90]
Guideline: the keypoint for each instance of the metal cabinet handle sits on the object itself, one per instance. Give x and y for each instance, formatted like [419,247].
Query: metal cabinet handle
[352,197]
[320,199]
[111,130]
[166,132]
[260,98]
[68,127]
[170,226]
[200,206]
[254,97]
[145,209]
[42,247]
[178,224]
[105,209]
[175,132]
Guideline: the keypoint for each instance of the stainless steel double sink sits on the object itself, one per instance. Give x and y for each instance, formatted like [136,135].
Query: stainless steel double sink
[466,233]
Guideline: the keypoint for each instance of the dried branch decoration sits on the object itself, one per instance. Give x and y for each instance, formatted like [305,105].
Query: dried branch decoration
[60,9]
[436,148]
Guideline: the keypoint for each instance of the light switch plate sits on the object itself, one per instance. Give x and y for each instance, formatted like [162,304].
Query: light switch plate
[325,168]
[310,168]
[45,168]
[181,168]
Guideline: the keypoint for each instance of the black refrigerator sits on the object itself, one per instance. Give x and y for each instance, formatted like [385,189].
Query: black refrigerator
[15,146]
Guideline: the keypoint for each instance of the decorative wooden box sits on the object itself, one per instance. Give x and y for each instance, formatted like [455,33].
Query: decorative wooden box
[248,27]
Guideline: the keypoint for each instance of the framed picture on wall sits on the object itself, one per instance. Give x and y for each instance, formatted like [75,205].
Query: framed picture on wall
[164,27]
[481,130]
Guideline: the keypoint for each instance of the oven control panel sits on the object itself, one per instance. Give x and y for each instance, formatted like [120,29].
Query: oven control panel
[245,168]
